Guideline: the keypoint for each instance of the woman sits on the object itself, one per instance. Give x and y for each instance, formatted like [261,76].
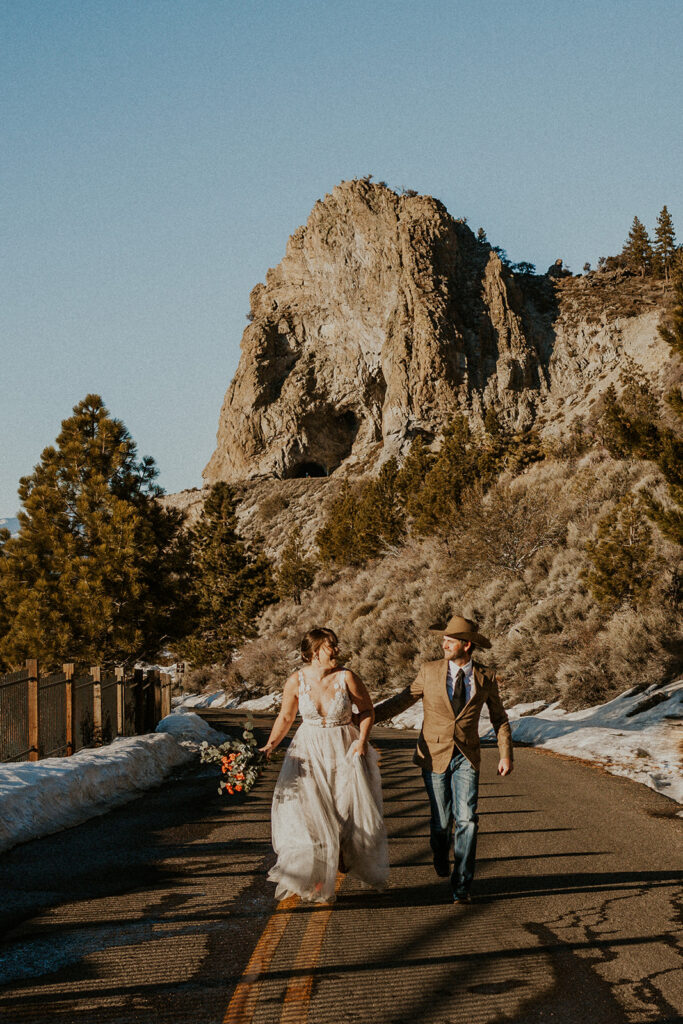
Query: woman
[327,804]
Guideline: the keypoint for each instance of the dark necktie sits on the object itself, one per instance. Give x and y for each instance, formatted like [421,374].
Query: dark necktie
[458,699]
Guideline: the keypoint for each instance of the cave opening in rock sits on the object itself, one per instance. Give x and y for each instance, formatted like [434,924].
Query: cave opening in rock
[304,469]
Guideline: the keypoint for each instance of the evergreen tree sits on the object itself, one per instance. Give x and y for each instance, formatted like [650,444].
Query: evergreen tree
[381,519]
[336,539]
[96,570]
[231,585]
[411,476]
[363,522]
[295,572]
[638,248]
[5,617]
[454,469]
[492,423]
[629,424]
[665,243]
[622,566]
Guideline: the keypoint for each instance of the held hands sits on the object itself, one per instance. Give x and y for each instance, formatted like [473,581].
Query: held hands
[504,766]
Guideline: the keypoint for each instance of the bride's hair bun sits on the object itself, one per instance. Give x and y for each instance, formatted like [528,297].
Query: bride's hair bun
[313,641]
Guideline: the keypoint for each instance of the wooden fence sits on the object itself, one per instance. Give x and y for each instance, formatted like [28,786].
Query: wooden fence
[57,714]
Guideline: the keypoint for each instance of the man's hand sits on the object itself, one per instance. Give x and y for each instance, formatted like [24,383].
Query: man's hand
[504,766]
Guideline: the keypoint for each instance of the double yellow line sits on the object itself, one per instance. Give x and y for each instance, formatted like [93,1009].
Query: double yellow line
[297,997]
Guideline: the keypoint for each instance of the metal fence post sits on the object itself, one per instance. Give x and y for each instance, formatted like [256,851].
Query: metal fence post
[138,682]
[165,694]
[156,713]
[96,706]
[119,699]
[32,684]
[68,670]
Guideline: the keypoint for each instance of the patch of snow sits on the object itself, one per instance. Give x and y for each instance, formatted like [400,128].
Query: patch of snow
[526,709]
[189,730]
[41,797]
[269,702]
[217,699]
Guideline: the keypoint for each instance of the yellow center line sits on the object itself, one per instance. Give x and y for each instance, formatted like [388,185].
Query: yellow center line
[243,1003]
[298,994]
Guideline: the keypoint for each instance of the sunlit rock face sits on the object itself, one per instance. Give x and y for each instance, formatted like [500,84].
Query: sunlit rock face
[385,318]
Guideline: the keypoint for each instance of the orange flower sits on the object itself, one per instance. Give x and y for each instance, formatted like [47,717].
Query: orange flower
[240,775]
[238,787]
[230,789]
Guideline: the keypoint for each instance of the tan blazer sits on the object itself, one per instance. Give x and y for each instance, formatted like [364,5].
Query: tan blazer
[441,731]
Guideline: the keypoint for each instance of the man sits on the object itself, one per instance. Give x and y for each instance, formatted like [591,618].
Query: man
[454,690]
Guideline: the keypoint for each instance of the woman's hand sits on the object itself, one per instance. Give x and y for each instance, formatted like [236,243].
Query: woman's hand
[267,750]
[360,748]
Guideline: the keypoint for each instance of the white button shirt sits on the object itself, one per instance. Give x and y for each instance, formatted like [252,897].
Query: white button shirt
[453,670]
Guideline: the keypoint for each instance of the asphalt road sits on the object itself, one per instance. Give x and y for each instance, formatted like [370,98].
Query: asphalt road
[160,912]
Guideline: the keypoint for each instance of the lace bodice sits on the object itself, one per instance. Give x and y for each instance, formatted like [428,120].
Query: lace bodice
[338,711]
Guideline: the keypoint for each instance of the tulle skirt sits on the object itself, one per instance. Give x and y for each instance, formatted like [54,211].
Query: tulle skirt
[326,801]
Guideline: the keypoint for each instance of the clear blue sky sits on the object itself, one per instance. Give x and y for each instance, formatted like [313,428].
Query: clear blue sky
[157,155]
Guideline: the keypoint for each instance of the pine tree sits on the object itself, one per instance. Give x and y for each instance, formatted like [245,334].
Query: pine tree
[5,617]
[412,474]
[623,568]
[336,539]
[96,570]
[492,423]
[295,572]
[453,471]
[638,248]
[665,243]
[364,521]
[615,428]
[231,584]
[381,519]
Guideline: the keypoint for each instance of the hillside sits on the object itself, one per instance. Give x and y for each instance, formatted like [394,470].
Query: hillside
[386,321]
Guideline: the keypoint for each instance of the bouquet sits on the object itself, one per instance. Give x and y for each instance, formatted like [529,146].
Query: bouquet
[240,760]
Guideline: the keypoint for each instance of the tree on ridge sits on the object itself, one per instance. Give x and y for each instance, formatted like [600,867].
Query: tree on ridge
[665,243]
[638,248]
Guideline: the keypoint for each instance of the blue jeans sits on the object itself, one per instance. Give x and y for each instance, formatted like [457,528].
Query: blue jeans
[453,796]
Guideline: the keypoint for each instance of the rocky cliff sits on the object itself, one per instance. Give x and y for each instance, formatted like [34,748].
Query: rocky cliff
[387,316]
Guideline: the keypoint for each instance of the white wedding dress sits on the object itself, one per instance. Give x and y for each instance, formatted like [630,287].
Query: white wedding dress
[327,799]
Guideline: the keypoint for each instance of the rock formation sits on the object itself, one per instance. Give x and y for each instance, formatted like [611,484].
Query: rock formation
[387,316]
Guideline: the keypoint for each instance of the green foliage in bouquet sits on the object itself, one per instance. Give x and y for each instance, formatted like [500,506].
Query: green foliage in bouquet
[240,761]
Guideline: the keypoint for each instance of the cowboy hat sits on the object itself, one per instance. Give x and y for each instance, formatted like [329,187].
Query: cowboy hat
[461,629]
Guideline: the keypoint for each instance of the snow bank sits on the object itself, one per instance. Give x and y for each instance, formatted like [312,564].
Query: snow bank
[625,735]
[269,702]
[638,734]
[41,797]
[220,699]
[217,699]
